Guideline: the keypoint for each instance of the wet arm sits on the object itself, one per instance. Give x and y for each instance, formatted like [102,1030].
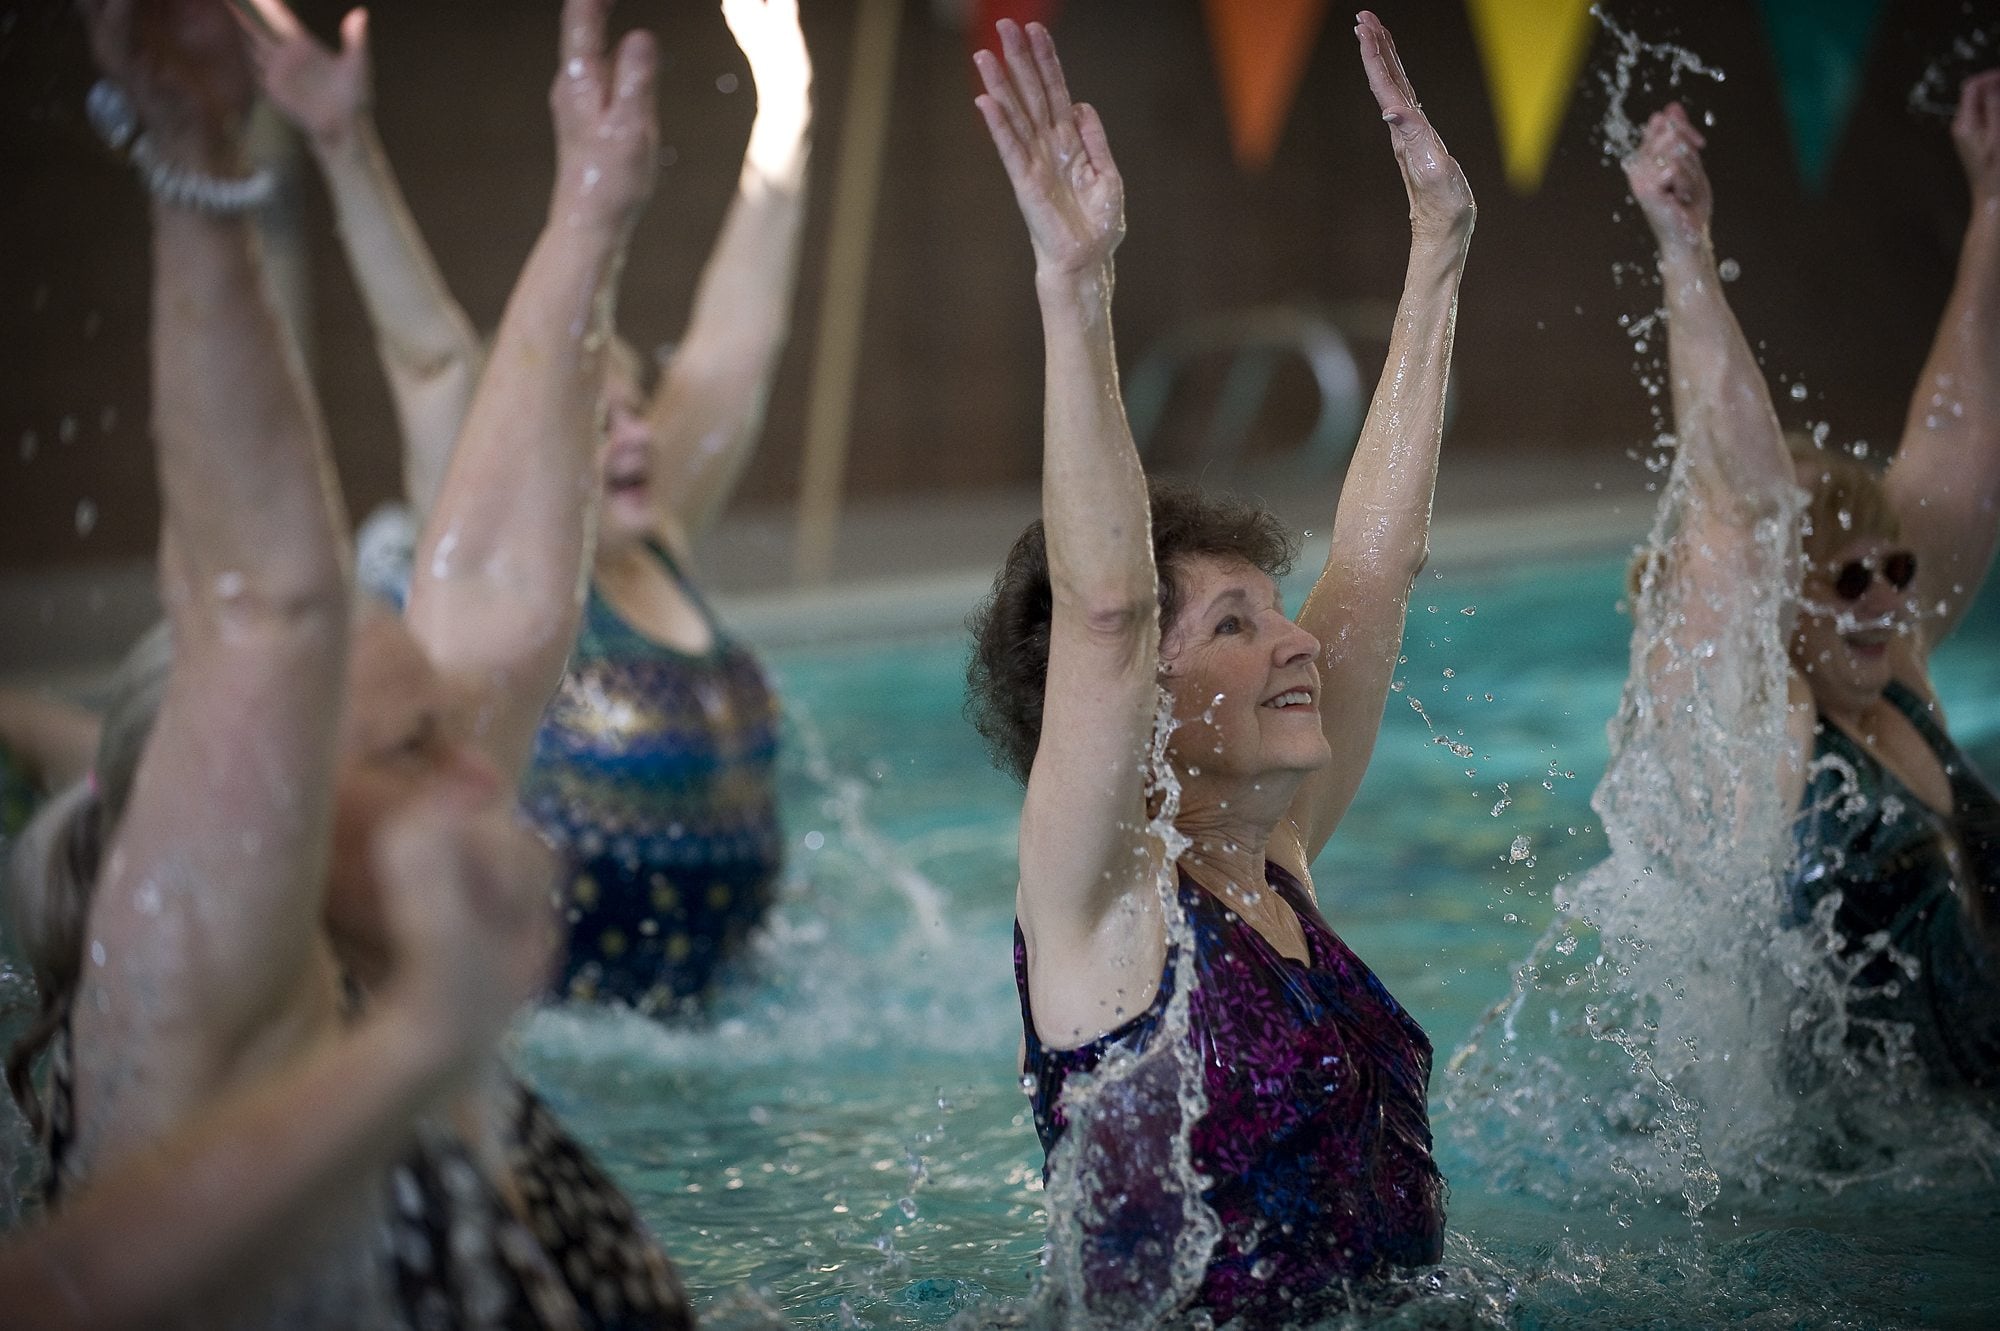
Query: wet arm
[498,581]
[1085,792]
[1945,480]
[264,1169]
[429,350]
[1381,528]
[709,409]
[209,908]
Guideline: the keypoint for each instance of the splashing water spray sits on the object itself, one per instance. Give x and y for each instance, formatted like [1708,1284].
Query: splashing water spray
[1129,1232]
[1669,1023]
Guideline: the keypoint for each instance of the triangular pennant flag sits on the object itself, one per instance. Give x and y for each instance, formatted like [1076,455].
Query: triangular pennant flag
[1261,47]
[985,13]
[1532,50]
[1821,48]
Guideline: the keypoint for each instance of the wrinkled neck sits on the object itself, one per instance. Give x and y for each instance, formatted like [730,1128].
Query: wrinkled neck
[1228,825]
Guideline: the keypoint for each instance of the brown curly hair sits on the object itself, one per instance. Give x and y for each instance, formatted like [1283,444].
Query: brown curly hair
[1009,668]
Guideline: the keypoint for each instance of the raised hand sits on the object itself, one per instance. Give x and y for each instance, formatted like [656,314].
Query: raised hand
[767,32]
[183,66]
[1666,177]
[471,921]
[322,91]
[607,130]
[1055,153]
[1976,132]
[1441,207]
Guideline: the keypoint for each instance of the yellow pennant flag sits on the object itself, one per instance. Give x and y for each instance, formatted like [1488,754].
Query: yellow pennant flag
[1532,50]
[1260,48]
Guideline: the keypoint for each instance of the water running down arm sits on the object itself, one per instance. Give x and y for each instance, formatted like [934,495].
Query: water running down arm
[1381,528]
[1945,480]
[1714,575]
[430,352]
[496,590]
[709,408]
[205,925]
[1085,798]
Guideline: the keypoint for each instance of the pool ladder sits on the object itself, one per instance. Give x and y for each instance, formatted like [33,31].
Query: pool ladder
[1256,341]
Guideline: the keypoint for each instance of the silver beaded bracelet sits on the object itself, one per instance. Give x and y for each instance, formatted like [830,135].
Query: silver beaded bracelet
[110,113]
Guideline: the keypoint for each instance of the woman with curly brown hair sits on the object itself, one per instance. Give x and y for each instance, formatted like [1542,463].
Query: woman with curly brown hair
[1170,951]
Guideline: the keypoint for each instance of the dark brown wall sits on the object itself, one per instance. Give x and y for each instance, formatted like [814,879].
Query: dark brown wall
[1843,288]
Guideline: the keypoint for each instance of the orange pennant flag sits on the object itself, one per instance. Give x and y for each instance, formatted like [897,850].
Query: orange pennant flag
[1532,50]
[1261,48]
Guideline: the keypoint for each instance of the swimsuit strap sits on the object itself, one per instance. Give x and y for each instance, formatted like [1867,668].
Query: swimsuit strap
[1032,1041]
[1905,700]
[684,582]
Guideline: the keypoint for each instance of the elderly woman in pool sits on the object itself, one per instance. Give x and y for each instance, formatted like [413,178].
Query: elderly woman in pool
[654,768]
[1315,1140]
[215,909]
[1896,842]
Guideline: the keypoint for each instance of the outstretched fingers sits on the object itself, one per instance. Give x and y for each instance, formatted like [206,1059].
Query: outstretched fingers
[1090,130]
[634,69]
[1023,74]
[1387,78]
[581,48]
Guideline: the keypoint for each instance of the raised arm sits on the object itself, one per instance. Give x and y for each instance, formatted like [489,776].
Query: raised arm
[496,590]
[1725,425]
[1710,589]
[709,409]
[429,349]
[1085,799]
[1945,480]
[1381,528]
[207,916]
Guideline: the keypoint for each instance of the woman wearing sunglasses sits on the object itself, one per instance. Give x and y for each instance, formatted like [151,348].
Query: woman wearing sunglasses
[1894,864]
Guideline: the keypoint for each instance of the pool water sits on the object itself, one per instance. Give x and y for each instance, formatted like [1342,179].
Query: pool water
[848,1145]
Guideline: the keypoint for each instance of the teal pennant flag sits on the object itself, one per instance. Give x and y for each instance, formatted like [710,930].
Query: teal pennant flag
[1821,50]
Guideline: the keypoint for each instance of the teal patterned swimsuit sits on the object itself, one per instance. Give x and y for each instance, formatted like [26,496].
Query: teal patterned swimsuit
[654,772]
[1900,867]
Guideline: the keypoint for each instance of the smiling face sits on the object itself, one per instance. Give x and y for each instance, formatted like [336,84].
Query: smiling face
[630,510]
[1243,676]
[1851,611]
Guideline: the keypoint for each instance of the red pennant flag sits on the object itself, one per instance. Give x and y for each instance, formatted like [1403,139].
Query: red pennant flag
[980,33]
[1261,48]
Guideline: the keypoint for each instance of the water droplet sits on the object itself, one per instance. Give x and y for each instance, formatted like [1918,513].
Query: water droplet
[1798,392]
[86,517]
[1729,270]
[1519,850]
[725,84]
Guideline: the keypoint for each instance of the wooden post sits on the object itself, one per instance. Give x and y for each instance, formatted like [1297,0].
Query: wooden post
[837,349]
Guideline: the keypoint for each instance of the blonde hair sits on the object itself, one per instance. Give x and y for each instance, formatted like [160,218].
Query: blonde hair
[52,867]
[1844,499]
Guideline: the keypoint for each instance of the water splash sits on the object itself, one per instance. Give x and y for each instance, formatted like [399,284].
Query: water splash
[1655,66]
[1125,1165]
[1935,93]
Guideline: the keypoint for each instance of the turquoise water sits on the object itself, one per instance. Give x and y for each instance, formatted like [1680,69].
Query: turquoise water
[848,1145]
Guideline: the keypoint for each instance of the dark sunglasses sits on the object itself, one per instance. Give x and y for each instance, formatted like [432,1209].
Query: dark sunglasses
[1898,568]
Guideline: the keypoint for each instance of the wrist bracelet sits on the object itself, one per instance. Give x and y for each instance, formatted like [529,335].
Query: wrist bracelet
[111,115]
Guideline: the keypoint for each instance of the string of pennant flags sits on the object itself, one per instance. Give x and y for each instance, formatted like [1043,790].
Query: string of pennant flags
[1532,52]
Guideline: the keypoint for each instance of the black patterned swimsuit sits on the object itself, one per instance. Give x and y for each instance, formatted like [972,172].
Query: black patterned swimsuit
[1897,865]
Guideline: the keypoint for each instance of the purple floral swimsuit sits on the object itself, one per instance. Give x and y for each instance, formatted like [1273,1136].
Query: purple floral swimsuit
[1315,1145]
